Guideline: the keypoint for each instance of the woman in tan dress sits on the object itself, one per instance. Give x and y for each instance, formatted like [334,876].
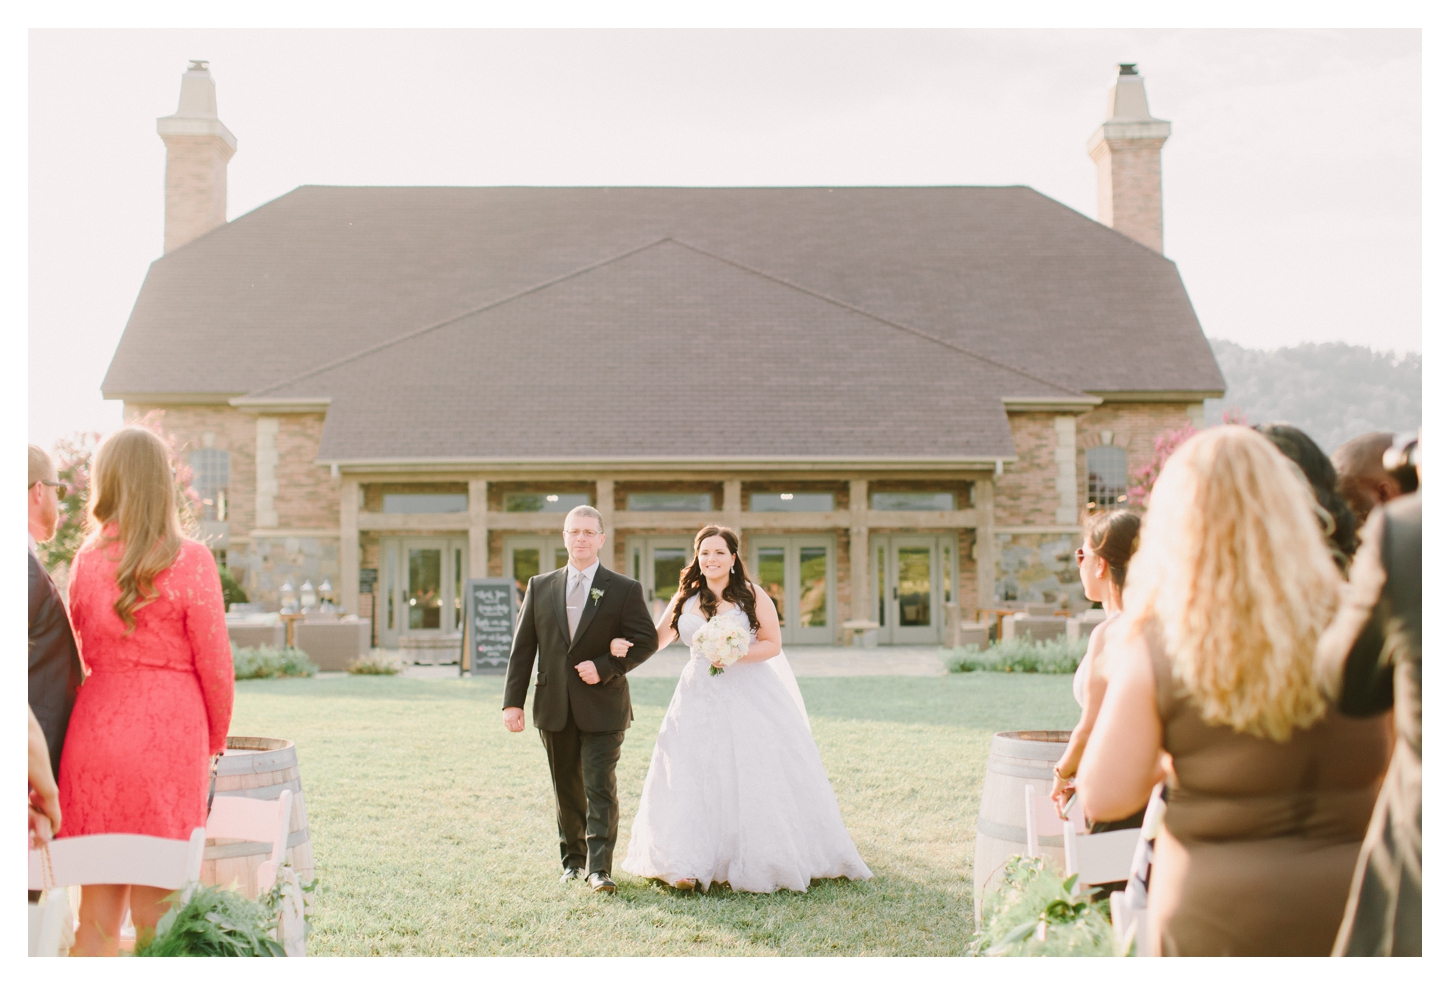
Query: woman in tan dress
[1270,790]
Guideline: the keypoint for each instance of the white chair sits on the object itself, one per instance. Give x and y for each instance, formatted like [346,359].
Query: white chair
[254,820]
[91,860]
[1042,818]
[1093,858]
[1129,908]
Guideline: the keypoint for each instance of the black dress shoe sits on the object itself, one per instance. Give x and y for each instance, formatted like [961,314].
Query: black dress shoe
[571,874]
[600,882]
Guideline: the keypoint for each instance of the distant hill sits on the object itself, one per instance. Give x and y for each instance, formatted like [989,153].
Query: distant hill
[1331,390]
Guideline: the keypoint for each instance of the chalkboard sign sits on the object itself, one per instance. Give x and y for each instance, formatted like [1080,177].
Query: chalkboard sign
[491,607]
[367,580]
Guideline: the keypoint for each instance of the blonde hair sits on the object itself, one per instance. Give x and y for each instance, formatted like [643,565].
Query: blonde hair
[1233,569]
[132,485]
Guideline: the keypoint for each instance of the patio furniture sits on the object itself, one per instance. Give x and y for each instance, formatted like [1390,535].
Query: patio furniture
[860,632]
[244,634]
[1035,628]
[1083,624]
[92,860]
[441,648]
[332,644]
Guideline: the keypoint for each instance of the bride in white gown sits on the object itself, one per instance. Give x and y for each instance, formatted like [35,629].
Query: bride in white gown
[736,791]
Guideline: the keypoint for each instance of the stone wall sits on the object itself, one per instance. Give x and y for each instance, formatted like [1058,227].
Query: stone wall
[1037,568]
[263,565]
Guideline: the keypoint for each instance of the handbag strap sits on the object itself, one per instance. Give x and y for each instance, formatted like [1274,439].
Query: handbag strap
[47,871]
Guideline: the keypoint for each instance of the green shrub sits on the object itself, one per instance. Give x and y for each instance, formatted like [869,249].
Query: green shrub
[211,922]
[1035,913]
[1059,656]
[252,662]
[376,662]
[231,590]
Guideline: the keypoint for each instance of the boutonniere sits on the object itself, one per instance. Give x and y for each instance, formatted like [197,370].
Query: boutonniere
[596,594]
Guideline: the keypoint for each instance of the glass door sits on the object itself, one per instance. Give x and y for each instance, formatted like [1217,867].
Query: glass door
[524,557]
[656,562]
[422,587]
[798,573]
[912,578]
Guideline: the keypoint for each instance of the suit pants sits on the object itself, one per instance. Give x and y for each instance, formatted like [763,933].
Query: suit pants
[582,767]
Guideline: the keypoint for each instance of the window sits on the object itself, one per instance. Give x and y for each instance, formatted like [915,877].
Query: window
[211,472]
[913,501]
[792,502]
[544,502]
[425,503]
[672,502]
[1107,467]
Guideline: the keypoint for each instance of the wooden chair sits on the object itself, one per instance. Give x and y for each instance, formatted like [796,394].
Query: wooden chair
[1093,858]
[1042,818]
[1129,908]
[92,860]
[254,820]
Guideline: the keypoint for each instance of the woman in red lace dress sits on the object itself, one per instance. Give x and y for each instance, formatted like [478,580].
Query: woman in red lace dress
[146,604]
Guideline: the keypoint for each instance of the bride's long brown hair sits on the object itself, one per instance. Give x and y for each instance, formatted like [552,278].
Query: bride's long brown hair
[132,486]
[738,590]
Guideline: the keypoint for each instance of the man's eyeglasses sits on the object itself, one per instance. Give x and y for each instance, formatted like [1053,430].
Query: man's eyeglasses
[61,489]
[573,534]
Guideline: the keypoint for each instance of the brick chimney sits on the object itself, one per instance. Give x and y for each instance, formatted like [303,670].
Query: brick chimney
[1127,149]
[198,147]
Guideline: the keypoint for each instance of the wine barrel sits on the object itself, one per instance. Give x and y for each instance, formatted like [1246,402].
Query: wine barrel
[262,769]
[1015,760]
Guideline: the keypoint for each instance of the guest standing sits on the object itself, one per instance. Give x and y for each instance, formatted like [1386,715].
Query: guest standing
[1109,540]
[55,666]
[1369,660]
[148,613]
[1272,790]
[1364,482]
[1335,516]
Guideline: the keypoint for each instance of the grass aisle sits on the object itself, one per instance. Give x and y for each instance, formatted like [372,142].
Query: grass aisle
[434,830]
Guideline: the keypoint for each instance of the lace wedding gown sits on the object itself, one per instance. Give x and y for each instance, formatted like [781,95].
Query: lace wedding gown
[736,791]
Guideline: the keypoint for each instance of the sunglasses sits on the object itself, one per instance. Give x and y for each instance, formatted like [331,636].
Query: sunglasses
[1082,554]
[61,489]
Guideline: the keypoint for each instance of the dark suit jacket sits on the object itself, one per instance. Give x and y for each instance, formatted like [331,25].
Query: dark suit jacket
[55,665]
[543,630]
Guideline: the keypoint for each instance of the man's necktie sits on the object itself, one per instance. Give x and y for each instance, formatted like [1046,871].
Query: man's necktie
[578,592]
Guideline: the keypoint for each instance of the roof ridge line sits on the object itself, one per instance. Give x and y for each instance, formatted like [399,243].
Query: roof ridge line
[415,333]
[875,317]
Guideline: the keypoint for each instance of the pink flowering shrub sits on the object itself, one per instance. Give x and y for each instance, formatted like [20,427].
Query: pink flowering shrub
[1142,479]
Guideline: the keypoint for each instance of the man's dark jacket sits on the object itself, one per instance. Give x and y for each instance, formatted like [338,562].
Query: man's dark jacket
[543,628]
[1369,659]
[55,665]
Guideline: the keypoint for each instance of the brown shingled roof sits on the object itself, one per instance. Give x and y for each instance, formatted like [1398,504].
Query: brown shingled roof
[862,322]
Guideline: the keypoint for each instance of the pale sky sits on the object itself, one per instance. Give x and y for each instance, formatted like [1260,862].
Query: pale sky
[1291,183]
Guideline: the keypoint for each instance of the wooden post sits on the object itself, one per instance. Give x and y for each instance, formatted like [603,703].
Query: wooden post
[478,528]
[604,503]
[349,552]
[986,544]
[860,553]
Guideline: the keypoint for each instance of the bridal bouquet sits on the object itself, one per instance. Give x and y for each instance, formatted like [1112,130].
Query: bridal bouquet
[720,641]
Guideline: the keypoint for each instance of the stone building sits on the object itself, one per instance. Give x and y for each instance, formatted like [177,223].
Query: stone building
[902,397]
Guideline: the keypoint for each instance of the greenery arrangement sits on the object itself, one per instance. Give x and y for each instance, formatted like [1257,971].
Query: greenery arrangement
[252,662]
[1058,656]
[376,662]
[208,921]
[1034,913]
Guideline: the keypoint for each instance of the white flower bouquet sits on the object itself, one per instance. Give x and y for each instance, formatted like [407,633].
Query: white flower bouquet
[722,642]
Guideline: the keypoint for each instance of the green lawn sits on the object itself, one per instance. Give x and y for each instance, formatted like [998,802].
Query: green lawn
[434,832]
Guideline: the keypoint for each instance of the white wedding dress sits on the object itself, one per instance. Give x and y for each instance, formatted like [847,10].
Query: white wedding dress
[736,791]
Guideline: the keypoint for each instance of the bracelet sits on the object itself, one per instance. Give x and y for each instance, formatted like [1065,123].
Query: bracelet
[1058,773]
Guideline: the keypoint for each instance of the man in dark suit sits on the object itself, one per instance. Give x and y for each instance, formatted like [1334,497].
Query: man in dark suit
[581,697]
[55,665]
